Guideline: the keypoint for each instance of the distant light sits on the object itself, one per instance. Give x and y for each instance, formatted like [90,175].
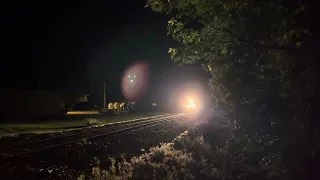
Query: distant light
[83,112]
[131,81]
[134,76]
[129,76]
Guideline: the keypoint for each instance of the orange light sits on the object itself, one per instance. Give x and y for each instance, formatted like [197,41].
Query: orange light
[83,112]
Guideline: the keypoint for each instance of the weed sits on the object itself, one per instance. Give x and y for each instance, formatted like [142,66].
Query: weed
[93,122]
[84,140]
[186,157]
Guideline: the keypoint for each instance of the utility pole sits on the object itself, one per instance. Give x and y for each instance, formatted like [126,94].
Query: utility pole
[104,96]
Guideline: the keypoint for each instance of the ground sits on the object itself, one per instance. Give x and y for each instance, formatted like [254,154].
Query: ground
[67,122]
[68,162]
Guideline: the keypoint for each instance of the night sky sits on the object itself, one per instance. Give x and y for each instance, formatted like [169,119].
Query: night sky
[67,45]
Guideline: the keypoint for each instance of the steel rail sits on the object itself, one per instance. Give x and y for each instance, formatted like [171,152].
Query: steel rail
[88,135]
[79,132]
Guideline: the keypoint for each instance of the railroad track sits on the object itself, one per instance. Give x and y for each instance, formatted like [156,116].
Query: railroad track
[32,147]
[81,131]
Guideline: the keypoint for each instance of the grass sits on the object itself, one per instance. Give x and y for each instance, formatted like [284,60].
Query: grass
[93,121]
[66,123]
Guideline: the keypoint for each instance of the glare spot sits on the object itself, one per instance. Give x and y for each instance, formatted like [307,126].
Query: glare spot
[132,86]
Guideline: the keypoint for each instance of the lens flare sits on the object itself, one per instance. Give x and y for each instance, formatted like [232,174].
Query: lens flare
[134,81]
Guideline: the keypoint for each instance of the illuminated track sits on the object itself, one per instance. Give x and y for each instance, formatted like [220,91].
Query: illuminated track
[81,131]
[33,147]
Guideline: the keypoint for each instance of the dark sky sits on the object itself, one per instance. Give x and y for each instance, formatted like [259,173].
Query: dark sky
[64,44]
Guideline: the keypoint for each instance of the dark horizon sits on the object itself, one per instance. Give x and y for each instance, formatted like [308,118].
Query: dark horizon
[78,47]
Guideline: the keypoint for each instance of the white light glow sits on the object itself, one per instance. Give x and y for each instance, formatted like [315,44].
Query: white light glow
[191,104]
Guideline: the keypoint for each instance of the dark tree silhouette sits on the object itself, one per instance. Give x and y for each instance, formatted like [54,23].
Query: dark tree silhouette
[262,74]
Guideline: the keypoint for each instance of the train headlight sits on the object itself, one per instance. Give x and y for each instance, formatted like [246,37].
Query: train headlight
[191,104]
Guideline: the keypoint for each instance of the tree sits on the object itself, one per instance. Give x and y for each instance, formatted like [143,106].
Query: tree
[253,50]
[70,98]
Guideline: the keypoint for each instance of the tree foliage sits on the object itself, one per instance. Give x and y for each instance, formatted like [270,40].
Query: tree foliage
[253,51]
[71,98]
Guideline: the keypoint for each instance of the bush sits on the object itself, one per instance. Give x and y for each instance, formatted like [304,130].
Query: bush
[186,157]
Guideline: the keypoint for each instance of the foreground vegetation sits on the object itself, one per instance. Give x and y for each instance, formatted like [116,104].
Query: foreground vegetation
[264,69]
[186,157]
[189,156]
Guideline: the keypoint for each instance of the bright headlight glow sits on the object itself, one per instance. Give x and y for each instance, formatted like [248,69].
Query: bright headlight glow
[190,101]
[191,104]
